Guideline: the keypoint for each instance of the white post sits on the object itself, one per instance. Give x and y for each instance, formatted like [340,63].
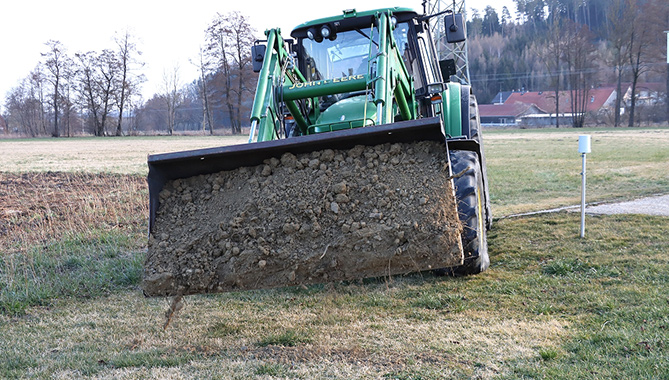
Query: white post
[583,148]
[583,197]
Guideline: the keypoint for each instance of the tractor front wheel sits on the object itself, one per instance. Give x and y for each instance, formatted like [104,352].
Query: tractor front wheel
[470,196]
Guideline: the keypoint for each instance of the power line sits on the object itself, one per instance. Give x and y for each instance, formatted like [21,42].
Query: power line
[531,74]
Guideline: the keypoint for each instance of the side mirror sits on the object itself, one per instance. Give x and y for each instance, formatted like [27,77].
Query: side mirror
[257,57]
[455,28]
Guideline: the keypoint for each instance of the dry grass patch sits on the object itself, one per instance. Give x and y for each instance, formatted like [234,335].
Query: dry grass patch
[551,306]
[65,234]
[122,336]
[125,155]
[37,208]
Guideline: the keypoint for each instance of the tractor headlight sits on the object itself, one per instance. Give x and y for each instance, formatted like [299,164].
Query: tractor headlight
[325,31]
[435,88]
[328,31]
[311,33]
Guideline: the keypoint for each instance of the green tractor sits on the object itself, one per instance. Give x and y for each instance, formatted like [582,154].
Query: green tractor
[361,80]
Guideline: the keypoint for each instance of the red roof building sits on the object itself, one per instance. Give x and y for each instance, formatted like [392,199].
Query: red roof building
[539,107]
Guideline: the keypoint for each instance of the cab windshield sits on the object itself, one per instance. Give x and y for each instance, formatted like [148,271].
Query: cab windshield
[348,54]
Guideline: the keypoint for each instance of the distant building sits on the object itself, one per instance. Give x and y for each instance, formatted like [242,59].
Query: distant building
[505,114]
[538,108]
[647,94]
[501,97]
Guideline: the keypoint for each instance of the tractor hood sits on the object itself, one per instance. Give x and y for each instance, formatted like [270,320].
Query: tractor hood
[353,112]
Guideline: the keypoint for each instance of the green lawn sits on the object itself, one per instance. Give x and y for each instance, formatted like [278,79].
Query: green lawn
[532,170]
[551,305]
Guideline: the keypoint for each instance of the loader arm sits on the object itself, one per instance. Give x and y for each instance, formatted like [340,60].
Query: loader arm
[280,83]
[392,81]
[277,68]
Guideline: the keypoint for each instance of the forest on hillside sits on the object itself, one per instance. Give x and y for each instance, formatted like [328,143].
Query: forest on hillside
[541,45]
[570,45]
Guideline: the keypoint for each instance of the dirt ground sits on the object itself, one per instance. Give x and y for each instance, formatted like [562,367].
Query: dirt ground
[40,207]
[317,217]
[126,155]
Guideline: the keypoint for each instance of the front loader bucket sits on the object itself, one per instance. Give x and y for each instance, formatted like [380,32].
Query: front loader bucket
[336,206]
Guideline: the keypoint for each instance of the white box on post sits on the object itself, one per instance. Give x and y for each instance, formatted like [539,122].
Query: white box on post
[584,144]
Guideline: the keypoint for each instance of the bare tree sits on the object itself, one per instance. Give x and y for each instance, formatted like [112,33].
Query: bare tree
[109,69]
[638,43]
[204,66]
[229,37]
[644,43]
[26,104]
[619,18]
[220,50]
[554,55]
[66,98]
[98,75]
[88,88]
[37,85]
[579,57]
[128,83]
[243,37]
[171,95]
[24,110]
[48,100]
[55,65]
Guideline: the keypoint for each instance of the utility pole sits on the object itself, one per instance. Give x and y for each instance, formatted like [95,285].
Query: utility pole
[456,51]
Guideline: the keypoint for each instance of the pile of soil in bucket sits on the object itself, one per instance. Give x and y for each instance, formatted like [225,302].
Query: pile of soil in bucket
[324,216]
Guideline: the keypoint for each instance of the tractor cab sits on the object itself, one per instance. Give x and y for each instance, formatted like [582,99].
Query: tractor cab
[346,48]
[353,70]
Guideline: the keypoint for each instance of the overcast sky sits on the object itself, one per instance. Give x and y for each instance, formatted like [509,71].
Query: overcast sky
[168,32]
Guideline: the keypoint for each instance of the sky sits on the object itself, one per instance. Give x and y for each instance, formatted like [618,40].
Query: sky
[168,33]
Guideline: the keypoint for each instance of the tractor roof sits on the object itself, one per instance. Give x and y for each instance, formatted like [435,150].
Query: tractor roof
[351,17]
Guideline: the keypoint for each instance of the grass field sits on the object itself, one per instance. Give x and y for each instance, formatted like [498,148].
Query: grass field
[552,305]
[125,155]
[538,169]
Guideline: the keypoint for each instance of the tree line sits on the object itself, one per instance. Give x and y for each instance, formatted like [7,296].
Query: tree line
[99,93]
[65,93]
[221,96]
[571,46]
[563,46]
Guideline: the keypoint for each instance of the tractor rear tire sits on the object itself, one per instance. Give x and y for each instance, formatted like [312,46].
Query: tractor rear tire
[470,195]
